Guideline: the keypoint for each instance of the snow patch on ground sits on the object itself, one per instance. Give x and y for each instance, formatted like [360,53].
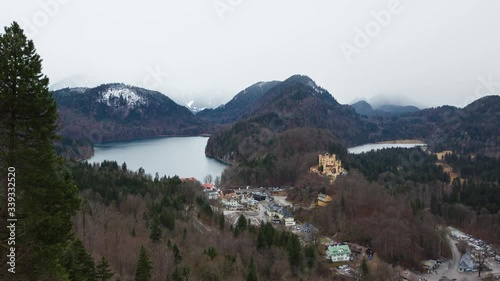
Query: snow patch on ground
[112,97]
[316,88]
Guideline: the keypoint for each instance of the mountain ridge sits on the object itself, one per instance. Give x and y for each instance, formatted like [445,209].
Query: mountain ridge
[364,108]
[116,111]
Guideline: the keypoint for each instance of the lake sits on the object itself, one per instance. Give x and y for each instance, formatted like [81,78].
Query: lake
[376,146]
[182,156]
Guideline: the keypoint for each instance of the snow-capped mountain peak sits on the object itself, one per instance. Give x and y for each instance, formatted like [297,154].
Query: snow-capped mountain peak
[114,96]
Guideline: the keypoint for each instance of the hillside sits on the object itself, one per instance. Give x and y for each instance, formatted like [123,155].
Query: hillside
[238,107]
[118,112]
[364,108]
[263,157]
[296,115]
[473,129]
[398,109]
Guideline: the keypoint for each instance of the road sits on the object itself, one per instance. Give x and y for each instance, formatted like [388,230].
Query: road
[256,216]
[452,271]
[282,200]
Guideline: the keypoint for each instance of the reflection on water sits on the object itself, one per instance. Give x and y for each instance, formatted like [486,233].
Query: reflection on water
[182,156]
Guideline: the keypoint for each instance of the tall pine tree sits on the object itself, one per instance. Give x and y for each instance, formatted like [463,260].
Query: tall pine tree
[79,264]
[103,273]
[46,197]
[294,251]
[143,269]
[155,230]
[252,272]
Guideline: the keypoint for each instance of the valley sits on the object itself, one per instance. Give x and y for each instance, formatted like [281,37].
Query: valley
[271,138]
[185,141]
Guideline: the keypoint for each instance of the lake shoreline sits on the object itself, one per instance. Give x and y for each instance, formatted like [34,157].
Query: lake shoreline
[85,158]
[401,142]
[377,146]
[166,155]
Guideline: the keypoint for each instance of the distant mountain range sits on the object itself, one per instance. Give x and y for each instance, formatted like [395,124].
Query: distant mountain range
[240,106]
[119,112]
[364,108]
[469,130]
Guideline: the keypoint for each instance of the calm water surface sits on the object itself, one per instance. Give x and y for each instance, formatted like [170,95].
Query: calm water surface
[182,156]
[377,146]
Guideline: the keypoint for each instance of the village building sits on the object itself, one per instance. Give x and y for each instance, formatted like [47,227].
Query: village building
[466,263]
[232,204]
[213,195]
[441,155]
[191,179]
[409,276]
[208,186]
[289,221]
[339,253]
[324,200]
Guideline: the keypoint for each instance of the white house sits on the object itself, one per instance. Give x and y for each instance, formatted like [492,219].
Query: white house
[339,253]
[289,221]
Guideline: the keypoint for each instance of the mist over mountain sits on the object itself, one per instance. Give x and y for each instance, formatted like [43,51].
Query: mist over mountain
[118,112]
[473,129]
[75,81]
[239,106]
[364,108]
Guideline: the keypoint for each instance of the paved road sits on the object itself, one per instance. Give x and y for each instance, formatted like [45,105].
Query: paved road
[452,271]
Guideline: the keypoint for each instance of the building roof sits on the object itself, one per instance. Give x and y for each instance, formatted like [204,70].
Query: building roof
[428,263]
[338,250]
[408,275]
[466,262]
[324,197]
[188,179]
[208,185]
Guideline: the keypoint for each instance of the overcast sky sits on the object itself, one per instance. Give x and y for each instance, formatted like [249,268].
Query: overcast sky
[424,52]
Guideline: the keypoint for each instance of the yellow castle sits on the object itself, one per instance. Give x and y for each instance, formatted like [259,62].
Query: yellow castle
[328,165]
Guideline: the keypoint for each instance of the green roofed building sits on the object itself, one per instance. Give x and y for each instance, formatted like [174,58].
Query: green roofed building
[339,253]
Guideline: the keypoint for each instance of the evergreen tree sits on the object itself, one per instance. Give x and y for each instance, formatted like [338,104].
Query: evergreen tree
[222,221]
[364,270]
[211,252]
[294,251]
[143,270]
[78,263]
[310,254]
[170,221]
[180,274]
[252,272]
[155,234]
[261,240]
[103,273]
[177,254]
[242,223]
[46,197]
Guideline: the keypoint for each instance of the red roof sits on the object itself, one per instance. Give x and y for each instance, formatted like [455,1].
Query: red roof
[208,185]
[188,179]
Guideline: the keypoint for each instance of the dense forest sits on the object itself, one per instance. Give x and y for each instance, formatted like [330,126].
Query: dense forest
[399,167]
[469,130]
[171,223]
[183,238]
[394,225]
[265,158]
[81,221]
